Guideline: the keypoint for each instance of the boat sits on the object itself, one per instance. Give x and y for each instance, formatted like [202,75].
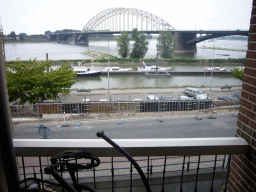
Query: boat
[152,68]
[117,69]
[82,72]
[214,69]
[159,74]
[85,72]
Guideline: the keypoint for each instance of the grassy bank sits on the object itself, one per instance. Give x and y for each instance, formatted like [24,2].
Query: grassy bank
[172,61]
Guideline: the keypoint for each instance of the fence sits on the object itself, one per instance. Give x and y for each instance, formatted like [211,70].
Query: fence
[125,109]
[167,169]
[163,163]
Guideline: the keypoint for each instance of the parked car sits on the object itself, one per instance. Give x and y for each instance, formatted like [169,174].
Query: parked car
[166,98]
[182,97]
[228,98]
[121,99]
[192,92]
[137,99]
[237,95]
[152,97]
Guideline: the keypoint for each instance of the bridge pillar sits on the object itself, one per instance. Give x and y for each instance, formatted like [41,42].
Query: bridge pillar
[58,38]
[182,37]
[83,39]
[75,38]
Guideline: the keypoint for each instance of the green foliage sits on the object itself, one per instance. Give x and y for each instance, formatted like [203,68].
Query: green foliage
[123,45]
[27,82]
[125,60]
[140,46]
[165,44]
[101,60]
[217,60]
[13,35]
[183,59]
[242,60]
[238,74]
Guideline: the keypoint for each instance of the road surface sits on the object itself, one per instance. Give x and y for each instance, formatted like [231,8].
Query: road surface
[171,127]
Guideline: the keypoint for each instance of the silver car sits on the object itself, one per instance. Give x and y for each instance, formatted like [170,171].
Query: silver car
[192,92]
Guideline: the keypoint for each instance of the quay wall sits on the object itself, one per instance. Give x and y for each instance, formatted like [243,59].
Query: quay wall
[171,72]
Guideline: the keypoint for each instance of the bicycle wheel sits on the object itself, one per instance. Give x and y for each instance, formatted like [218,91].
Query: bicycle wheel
[34,184]
[84,187]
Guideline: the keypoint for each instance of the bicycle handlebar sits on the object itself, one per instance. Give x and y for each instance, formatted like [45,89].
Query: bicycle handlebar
[128,156]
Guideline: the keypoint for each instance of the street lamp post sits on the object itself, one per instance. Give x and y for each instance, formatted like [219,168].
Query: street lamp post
[108,66]
[212,64]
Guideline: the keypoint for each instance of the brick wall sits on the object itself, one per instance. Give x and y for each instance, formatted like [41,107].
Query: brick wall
[243,167]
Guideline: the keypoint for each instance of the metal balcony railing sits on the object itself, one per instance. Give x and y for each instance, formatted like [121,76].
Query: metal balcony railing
[165,162]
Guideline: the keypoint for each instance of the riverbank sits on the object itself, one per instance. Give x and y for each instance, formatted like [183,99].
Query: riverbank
[102,59]
[226,49]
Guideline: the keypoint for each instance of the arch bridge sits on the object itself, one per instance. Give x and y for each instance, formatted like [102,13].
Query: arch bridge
[116,20]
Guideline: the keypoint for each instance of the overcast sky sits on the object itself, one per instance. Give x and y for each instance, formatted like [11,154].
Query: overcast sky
[38,16]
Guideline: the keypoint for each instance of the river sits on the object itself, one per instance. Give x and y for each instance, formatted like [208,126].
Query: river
[57,51]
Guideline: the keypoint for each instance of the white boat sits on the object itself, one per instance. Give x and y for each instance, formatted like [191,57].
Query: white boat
[117,69]
[152,68]
[214,69]
[83,72]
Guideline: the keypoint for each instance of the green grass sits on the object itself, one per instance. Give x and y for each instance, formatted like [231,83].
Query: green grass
[179,61]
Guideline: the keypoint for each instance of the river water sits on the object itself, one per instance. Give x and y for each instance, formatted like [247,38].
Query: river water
[26,51]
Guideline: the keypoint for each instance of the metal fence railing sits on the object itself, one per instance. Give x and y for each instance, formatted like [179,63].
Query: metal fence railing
[121,110]
[159,166]
[118,169]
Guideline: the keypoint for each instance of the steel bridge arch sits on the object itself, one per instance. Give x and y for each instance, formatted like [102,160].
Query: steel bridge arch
[118,19]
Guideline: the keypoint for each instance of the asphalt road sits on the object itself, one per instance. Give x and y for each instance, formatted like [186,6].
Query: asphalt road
[171,127]
[131,94]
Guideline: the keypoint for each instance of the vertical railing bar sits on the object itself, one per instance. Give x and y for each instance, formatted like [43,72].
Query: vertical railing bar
[188,164]
[94,177]
[24,170]
[41,170]
[148,169]
[151,167]
[198,164]
[131,178]
[77,178]
[112,170]
[182,173]
[164,173]
[224,159]
[214,168]
[38,183]
[48,165]
[228,167]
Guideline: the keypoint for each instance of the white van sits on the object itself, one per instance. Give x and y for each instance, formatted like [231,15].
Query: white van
[152,97]
[197,93]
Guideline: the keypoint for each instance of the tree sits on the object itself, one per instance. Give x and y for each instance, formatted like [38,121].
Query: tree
[13,35]
[140,46]
[238,73]
[31,82]
[123,44]
[22,35]
[165,44]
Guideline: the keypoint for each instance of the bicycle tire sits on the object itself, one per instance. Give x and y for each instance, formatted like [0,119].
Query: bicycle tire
[86,188]
[35,184]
